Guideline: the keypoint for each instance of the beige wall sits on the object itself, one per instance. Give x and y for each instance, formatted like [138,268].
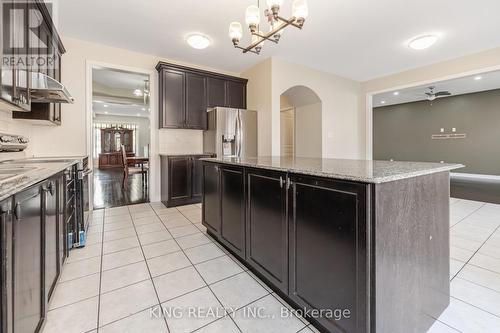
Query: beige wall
[259,97]
[10,126]
[342,124]
[73,77]
[175,141]
[308,140]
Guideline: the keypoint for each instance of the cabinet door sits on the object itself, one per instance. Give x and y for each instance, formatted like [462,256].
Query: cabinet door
[179,178]
[6,264]
[196,101]
[28,252]
[172,103]
[216,92]
[232,214]
[196,176]
[236,94]
[50,240]
[328,249]
[211,202]
[267,231]
[61,226]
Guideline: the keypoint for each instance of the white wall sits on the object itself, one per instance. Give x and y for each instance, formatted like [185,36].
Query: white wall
[308,139]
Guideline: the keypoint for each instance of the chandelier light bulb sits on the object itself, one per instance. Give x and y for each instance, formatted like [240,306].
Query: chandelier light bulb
[272,3]
[252,16]
[235,32]
[300,10]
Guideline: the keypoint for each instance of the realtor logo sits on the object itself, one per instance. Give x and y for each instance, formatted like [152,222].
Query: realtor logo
[26,35]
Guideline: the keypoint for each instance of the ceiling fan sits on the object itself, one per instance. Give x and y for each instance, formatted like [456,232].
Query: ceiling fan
[431,95]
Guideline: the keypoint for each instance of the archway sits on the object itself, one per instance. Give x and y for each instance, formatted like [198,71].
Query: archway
[300,123]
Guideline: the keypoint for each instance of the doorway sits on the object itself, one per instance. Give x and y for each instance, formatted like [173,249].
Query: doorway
[121,137]
[300,123]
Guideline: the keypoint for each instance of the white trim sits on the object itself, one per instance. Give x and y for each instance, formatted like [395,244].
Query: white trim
[370,94]
[154,167]
[474,176]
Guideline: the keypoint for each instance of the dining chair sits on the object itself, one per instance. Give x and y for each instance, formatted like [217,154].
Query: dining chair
[129,170]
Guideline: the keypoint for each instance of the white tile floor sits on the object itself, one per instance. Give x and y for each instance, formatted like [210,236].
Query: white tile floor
[139,257]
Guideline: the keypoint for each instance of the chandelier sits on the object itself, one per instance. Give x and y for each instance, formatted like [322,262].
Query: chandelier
[277,23]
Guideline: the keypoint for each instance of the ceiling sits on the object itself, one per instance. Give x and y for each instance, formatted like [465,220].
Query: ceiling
[357,39]
[113,93]
[460,86]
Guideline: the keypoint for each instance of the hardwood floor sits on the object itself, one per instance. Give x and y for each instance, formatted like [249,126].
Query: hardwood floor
[108,191]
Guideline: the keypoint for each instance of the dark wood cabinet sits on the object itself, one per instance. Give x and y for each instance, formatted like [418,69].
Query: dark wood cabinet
[181,179]
[49,48]
[211,202]
[179,174]
[172,99]
[236,94]
[328,248]
[232,209]
[267,225]
[6,243]
[216,92]
[50,240]
[196,101]
[186,93]
[28,296]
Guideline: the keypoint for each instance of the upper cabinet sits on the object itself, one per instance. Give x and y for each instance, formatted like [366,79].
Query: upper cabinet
[45,50]
[186,93]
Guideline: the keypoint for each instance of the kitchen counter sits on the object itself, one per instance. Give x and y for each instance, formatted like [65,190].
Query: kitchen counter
[365,171]
[367,238]
[36,172]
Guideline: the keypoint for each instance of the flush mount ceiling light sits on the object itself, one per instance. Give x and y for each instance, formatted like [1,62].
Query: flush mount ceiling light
[478,78]
[198,41]
[300,11]
[105,105]
[396,93]
[382,102]
[423,42]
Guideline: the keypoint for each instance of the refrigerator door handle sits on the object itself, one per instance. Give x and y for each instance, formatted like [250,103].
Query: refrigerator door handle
[239,134]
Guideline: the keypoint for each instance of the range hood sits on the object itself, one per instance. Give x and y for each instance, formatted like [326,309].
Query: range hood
[43,88]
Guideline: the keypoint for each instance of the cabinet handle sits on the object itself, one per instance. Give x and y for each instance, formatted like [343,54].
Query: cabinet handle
[49,188]
[17,211]
[288,183]
[281,182]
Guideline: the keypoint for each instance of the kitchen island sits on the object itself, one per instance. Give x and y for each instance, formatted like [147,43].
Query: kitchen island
[356,245]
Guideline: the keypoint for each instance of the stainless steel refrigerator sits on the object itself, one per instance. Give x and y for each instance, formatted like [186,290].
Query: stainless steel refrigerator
[231,132]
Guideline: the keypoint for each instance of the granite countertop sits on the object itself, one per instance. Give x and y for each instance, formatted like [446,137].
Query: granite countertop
[365,171]
[184,154]
[36,172]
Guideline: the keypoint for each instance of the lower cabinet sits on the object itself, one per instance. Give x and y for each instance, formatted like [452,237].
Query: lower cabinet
[267,225]
[232,209]
[305,235]
[31,254]
[211,202]
[181,179]
[327,249]
[50,220]
[6,301]
[28,304]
